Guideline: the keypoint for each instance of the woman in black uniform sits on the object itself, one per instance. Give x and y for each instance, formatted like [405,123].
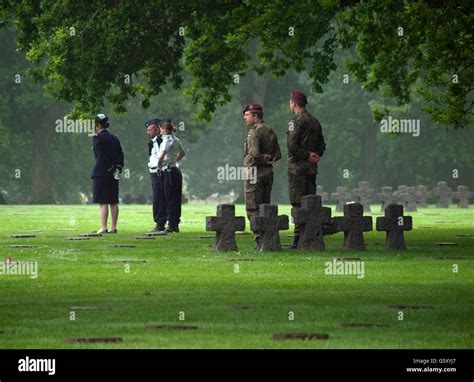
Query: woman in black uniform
[108,165]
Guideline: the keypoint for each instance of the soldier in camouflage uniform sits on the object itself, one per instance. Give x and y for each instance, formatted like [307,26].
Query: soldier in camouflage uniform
[305,148]
[261,151]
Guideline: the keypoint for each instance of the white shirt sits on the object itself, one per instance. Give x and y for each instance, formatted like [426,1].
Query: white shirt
[154,156]
[171,145]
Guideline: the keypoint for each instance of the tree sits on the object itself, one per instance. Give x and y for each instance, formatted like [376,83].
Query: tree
[89,52]
[28,116]
[120,55]
[403,45]
[93,51]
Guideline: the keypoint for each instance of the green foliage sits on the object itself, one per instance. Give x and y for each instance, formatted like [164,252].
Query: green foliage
[84,50]
[400,44]
[181,60]
[268,37]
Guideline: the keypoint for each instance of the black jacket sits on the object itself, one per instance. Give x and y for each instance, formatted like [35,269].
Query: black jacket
[108,153]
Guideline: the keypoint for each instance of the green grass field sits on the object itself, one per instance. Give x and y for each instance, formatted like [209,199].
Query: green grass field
[231,309]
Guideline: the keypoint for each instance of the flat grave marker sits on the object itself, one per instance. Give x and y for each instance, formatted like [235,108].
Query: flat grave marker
[300,336]
[170,326]
[93,340]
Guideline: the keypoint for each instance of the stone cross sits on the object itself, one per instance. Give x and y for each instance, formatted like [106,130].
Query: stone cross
[423,196]
[444,194]
[140,199]
[398,198]
[411,199]
[394,223]
[463,195]
[385,197]
[311,216]
[341,196]
[267,225]
[364,195]
[225,224]
[128,199]
[324,195]
[354,224]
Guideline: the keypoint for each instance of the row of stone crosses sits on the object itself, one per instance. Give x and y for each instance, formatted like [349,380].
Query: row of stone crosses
[316,222]
[409,197]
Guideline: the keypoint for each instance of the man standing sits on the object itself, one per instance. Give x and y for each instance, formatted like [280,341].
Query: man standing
[261,151]
[306,146]
[159,207]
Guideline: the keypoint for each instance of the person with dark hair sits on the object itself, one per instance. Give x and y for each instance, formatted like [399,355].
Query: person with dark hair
[159,206]
[109,162]
[261,151]
[306,146]
[171,152]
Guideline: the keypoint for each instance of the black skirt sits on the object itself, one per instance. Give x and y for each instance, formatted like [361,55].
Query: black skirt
[105,190]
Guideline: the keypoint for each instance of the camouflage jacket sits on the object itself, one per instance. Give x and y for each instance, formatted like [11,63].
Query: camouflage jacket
[304,135]
[261,139]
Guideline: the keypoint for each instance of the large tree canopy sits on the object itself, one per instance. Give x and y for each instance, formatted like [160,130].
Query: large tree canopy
[93,51]
[88,52]
[405,44]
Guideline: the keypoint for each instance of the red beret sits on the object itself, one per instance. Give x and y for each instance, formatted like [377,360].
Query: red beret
[254,107]
[299,96]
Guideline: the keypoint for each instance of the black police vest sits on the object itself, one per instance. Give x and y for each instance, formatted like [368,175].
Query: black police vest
[150,144]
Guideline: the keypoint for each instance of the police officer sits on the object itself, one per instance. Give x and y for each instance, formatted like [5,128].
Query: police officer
[171,152]
[109,161]
[261,151]
[306,146]
[159,207]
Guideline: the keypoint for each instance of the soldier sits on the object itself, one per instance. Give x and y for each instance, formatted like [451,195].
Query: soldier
[261,151]
[305,148]
[159,207]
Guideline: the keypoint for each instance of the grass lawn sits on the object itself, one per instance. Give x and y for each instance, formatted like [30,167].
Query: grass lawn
[243,309]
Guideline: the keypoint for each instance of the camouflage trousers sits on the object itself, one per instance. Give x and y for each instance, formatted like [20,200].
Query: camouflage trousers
[298,186]
[258,192]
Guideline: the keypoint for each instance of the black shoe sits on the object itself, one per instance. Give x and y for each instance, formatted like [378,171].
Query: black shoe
[295,242]
[172,229]
[157,229]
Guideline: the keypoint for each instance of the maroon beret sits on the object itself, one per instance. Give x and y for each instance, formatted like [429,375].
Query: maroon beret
[299,96]
[254,107]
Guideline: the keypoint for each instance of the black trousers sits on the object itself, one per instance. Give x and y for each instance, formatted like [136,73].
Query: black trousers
[173,187]
[159,206]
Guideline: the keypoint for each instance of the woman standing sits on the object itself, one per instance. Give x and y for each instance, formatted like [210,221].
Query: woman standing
[108,165]
[171,152]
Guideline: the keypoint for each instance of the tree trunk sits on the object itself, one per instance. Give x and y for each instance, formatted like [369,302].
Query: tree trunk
[369,154]
[42,184]
[253,90]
